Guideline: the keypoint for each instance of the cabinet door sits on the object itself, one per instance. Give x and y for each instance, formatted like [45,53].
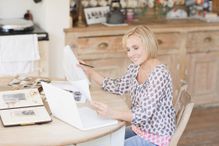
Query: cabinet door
[203,70]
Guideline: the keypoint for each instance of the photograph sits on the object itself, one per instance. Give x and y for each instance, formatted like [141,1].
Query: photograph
[13,98]
[20,98]
[25,112]
[96,15]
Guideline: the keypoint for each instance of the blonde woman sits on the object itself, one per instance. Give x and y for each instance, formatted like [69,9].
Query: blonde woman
[149,83]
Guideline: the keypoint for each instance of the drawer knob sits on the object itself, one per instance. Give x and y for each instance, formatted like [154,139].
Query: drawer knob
[159,42]
[208,39]
[102,45]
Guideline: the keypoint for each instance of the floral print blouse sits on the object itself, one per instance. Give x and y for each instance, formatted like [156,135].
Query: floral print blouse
[151,102]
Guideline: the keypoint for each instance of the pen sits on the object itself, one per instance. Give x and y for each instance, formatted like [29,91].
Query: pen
[86,65]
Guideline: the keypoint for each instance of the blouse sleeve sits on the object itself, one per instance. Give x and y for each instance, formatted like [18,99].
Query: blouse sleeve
[120,85]
[159,81]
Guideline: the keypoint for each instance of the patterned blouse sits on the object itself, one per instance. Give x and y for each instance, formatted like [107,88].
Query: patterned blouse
[151,102]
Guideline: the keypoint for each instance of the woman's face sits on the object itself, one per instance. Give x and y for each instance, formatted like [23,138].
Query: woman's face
[136,50]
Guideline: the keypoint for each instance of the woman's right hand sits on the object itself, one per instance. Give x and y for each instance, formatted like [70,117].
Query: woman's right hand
[91,73]
[87,70]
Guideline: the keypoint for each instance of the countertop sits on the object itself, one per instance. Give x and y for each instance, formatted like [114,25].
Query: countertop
[162,25]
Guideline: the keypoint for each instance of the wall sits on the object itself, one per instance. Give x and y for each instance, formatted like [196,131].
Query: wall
[55,20]
[14,8]
[52,16]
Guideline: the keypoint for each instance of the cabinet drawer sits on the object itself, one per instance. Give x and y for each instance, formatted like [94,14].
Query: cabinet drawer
[203,41]
[168,41]
[99,45]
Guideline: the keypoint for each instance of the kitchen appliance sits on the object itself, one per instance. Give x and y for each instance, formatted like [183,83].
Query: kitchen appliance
[15,25]
[20,27]
[25,27]
[115,16]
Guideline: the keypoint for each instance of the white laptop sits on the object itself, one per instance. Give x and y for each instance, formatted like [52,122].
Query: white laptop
[64,107]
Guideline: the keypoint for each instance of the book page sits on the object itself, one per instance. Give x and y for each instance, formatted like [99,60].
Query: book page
[24,116]
[20,98]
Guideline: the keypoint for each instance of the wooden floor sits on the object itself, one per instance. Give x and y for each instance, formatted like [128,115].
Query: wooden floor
[202,129]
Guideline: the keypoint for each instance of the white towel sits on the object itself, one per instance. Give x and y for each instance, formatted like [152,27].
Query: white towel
[18,53]
[16,68]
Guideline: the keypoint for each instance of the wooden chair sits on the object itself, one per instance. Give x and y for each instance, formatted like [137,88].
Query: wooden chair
[183,107]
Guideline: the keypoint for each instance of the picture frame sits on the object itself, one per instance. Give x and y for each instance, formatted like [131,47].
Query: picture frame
[96,15]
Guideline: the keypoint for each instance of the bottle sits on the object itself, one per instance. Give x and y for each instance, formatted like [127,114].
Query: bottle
[210,5]
[28,15]
[130,15]
[206,5]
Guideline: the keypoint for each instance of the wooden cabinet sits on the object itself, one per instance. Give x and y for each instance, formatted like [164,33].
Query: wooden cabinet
[190,51]
[203,66]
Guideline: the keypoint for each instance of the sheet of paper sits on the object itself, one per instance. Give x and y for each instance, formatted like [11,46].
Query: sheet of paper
[70,64]
[75,75]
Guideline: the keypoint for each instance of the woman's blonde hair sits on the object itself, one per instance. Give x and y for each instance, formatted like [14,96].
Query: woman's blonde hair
[147,37]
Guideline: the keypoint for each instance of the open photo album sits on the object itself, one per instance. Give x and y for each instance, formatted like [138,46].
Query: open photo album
[22,107]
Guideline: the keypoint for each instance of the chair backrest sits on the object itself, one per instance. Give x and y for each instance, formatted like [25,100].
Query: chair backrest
[183,107]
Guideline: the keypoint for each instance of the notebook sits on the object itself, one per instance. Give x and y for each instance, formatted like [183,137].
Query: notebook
[22,107]
[64,107]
